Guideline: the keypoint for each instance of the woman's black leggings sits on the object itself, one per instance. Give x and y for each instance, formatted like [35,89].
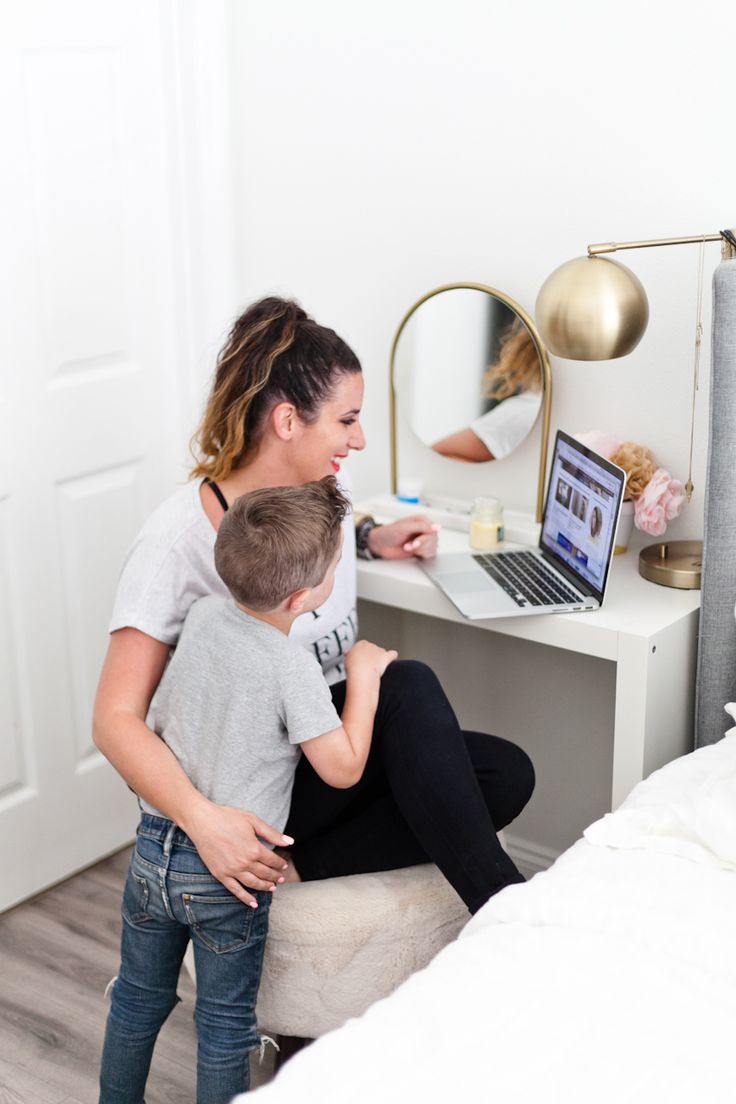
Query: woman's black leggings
[429,793]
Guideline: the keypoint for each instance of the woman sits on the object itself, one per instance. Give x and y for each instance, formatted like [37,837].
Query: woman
[514,383]
[285,408]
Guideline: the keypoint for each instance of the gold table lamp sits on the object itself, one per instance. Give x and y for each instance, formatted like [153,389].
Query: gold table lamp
[592,308]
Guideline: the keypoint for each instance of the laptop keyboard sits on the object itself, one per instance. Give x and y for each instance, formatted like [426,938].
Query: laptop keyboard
[526,579]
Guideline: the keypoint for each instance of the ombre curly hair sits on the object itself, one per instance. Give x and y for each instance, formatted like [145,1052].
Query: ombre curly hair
[518,367]
[274,353]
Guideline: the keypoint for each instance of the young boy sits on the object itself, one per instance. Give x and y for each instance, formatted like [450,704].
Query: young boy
[237,701]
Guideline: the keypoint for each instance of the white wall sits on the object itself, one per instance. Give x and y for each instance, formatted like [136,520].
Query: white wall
[381,150]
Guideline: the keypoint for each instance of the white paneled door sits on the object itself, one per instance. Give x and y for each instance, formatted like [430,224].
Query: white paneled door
[90,424]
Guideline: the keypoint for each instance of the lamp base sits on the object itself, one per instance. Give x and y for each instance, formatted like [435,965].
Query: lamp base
[673,564]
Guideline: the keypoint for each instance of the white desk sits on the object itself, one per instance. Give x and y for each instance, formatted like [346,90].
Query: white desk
[648,631]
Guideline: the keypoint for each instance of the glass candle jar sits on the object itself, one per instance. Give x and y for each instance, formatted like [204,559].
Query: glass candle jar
[486,524]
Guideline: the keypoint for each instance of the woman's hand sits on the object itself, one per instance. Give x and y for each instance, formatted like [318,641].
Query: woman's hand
[227,839]
[228,843]
[402,539]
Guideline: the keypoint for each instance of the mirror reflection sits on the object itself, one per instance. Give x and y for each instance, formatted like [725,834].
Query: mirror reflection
[470,375]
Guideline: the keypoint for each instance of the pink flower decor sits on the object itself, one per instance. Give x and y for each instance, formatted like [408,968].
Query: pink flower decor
[605,444]
[661,500]
[657,497]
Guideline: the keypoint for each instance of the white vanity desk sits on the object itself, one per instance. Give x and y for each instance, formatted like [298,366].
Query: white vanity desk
[649,632]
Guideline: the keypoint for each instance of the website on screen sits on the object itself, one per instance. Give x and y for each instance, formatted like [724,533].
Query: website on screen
[582,511]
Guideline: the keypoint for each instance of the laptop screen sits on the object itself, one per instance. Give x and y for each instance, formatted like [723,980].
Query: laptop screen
[581,513]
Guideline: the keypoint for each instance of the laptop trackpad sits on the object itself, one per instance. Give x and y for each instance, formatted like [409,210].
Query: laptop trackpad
[464,582]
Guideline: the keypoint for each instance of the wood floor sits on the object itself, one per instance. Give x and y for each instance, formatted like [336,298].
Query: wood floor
[57,954]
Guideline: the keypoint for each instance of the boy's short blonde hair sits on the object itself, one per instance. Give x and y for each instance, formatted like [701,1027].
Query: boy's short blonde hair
[277,540]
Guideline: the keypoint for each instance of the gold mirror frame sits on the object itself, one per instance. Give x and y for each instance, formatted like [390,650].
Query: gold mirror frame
[546,381]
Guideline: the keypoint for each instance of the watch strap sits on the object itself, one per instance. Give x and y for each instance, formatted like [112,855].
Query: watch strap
[364,524]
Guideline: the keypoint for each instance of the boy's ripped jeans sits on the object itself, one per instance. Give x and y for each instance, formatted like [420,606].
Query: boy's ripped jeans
[170,898]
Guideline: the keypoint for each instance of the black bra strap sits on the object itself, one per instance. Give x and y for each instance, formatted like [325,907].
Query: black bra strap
[218,494]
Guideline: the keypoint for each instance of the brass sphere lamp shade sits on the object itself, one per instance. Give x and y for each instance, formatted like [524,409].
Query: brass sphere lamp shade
[592,308]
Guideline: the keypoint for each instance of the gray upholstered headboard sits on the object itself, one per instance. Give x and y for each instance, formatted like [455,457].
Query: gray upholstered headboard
[716,672]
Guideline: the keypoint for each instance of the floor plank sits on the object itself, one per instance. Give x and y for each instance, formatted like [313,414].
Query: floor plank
[17,1085]
[57,954]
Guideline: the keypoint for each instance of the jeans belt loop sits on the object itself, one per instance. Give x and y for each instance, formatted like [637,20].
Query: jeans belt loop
[164,872]
[168,840]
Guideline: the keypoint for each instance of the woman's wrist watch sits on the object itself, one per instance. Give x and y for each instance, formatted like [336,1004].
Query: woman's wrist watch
[364,524]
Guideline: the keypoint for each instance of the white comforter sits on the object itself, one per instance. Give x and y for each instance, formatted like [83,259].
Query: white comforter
[610,977]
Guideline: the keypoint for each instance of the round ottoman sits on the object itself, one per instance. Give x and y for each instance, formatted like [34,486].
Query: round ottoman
[336,946]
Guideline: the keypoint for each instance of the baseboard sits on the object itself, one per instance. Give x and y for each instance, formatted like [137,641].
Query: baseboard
[530,857]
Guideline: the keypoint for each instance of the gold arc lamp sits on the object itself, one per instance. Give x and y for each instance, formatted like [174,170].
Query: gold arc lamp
[593,308]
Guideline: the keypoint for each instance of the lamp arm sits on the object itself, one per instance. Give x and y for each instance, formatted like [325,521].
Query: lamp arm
[611,247]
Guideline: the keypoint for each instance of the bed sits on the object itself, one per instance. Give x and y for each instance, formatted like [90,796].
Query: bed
[611,976]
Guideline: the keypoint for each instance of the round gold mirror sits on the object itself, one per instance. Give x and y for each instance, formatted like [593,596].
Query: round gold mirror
[471,377]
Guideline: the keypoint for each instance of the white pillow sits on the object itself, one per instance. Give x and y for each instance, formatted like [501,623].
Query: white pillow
[688,808]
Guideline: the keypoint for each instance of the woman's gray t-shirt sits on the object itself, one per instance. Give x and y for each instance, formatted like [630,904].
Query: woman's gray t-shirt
[234,703]
[171,564]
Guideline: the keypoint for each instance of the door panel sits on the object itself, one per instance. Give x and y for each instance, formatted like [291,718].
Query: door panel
[95,512]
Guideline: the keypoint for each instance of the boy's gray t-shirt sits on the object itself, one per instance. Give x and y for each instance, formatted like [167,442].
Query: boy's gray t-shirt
[172,563]
[235,701]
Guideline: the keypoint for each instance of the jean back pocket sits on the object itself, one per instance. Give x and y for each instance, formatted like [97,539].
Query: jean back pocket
[135,899]
[222,922]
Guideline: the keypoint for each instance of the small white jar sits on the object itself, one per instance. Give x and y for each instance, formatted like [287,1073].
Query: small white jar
[409,489]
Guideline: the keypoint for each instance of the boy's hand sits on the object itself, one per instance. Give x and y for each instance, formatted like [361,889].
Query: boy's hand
[368,658]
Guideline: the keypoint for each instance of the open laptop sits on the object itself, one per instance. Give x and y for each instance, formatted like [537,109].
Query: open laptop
[569,569]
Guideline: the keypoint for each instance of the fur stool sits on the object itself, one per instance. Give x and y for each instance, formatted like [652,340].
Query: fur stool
[336,946]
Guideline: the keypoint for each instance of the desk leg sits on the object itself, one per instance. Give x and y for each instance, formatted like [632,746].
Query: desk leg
[630,717]
[655,700]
